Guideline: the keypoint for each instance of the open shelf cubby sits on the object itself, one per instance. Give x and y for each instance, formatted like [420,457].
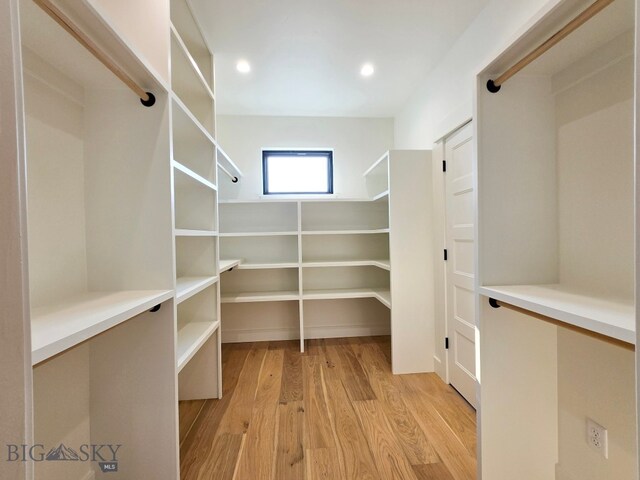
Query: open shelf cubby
[348,247]
[192,147]
[196,257]
[195,204]
[259,217]
[261,250]
[241,286]
[346,282]
[344,216]
[188,29]
[187,85]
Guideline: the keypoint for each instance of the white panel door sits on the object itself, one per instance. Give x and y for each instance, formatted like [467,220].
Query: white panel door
[460,213]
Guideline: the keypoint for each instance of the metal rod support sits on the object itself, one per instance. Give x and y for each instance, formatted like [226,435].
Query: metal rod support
[596,7]
[146,98]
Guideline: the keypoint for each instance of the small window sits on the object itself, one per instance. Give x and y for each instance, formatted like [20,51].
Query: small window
[297,172]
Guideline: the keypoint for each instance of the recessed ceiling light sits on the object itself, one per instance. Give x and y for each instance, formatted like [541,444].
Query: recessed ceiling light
[367,70]
[243,66]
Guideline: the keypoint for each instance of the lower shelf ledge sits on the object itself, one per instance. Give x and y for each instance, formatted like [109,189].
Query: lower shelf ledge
[191,338]
[248,297]
[609,317]
[384,296]
[59,327]
[187,287]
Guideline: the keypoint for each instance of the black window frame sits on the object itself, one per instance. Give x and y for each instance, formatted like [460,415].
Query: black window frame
[328,154]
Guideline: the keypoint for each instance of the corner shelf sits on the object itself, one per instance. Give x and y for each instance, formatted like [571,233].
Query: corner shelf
[190,338]
[608,317]
[187,287]
[182,232]
[384,296]
[265,266]
[346,232]
[59,327]
[259,234]
[384,264]
[250,297]
[225,265]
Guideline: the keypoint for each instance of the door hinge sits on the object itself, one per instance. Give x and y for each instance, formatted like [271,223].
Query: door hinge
[446,343]
[444,165]
[446,255]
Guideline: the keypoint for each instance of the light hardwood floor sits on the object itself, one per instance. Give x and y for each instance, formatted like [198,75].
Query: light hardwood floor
[334,412]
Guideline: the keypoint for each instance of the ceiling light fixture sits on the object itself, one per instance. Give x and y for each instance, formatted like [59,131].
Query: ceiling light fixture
[243,66]
[367,70]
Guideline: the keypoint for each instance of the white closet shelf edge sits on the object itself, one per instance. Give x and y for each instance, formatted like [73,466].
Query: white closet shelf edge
[191,338]
[609,317]
[187,287]
[59,327]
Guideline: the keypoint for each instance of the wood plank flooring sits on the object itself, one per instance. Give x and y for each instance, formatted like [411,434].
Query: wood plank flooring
[334,412]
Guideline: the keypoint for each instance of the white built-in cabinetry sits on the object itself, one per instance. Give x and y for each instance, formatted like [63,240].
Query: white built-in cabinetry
[195,208]
[118,204]
[302,259]
[101,286]
[555,164]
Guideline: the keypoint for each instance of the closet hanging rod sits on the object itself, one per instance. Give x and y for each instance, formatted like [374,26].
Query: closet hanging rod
[146,98]
[596,7]
[499,303]
[233,178]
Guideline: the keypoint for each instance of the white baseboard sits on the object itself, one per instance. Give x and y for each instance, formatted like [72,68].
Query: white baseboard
[439,368]
[328,331]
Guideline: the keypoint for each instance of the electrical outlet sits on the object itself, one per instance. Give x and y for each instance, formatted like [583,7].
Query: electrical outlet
[597,438]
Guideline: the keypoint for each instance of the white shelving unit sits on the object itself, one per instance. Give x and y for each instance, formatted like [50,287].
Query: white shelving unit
[556,210]
[195,187]
[98,249]
[322,267]
[279,242]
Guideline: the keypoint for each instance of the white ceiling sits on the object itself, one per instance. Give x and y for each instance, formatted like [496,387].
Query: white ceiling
[306,54]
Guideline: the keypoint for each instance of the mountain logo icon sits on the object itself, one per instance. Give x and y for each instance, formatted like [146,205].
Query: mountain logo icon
[62,453]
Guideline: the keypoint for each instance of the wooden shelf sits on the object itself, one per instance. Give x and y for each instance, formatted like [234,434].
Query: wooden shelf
[258,234]
[248,297]
[59,327]
[608,317]
[193,175]
[191,338]
[191,61]
[225,265]
[264,266]
[181,232]
[345,232]
[384,264]
[187,287]
[384,296]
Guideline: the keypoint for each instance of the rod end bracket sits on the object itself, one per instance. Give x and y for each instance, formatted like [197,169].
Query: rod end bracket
[150,101]
[234,180]
[156,308]
[494,303]
[492,87]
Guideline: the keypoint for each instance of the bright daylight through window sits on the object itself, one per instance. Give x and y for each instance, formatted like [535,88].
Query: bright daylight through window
[297,172]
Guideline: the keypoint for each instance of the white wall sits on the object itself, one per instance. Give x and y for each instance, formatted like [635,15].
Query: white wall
[357,142]
[445,98]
